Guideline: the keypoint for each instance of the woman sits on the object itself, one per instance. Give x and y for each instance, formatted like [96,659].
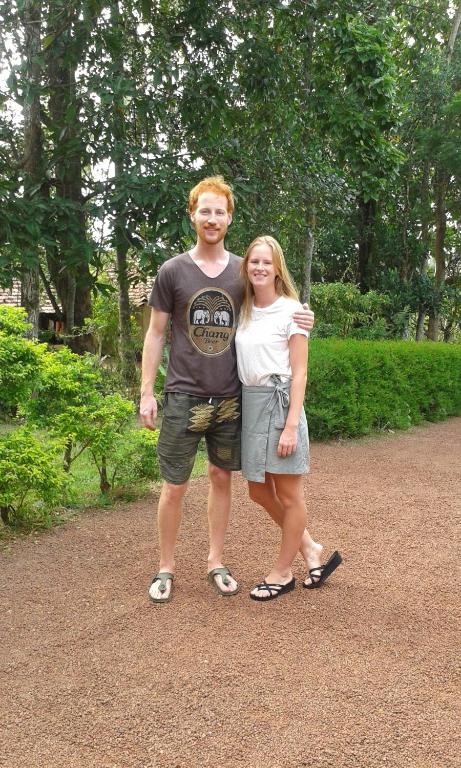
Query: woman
[272,365]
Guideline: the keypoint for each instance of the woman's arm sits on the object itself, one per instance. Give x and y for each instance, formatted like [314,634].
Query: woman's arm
[297,346]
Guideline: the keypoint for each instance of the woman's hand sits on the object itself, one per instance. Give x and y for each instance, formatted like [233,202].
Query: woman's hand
[288,442]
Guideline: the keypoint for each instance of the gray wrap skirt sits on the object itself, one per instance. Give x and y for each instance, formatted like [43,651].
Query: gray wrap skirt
[264,413]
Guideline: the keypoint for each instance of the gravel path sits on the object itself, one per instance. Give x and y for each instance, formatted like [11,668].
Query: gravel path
[360,673]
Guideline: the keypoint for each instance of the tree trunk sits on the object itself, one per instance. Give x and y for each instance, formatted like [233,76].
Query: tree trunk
[425,239]
[405,266]
[68,264]
[420,324]
[309,253]
[447,332]
[441,186]
[83,341]
[33,151]
[68,455]
[454,32]
[367,216]
[30,299]
[104,482]
[440,227]
[127,355]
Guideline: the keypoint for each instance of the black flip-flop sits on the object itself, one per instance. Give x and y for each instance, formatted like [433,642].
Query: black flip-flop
[275,590]
[322,572]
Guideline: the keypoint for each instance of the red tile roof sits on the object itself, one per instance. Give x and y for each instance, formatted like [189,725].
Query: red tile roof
[12,296]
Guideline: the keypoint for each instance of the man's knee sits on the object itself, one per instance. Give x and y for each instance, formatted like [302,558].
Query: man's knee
[172,494]
[219,478]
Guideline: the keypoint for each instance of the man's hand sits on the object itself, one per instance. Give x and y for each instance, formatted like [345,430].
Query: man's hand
[304,318]
[148,411]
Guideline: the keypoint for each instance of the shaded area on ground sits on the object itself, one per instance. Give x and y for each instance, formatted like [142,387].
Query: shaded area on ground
[359,673]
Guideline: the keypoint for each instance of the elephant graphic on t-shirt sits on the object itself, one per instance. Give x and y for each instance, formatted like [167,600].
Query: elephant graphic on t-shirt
[201,317]
[221,317]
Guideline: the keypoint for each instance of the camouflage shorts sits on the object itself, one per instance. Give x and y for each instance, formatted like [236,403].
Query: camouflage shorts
[186,419]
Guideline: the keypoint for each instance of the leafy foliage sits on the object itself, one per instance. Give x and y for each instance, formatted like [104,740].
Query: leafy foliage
[13,321]
[356,387]
[336,123]
[19,359]
[341,310]
[67,387]
[31,482]
[134,458]
[104,326]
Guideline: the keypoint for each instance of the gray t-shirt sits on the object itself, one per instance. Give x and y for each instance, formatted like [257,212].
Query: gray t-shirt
[204,315]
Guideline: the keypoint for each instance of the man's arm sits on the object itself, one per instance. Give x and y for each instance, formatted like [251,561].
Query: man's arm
[151,358]
[304,318]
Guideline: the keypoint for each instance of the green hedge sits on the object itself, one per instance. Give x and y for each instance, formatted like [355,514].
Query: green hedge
[357,387]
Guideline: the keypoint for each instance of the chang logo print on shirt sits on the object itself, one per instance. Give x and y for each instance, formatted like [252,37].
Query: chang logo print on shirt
[211,321]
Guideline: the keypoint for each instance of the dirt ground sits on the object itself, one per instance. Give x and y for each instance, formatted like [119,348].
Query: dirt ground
[363,672]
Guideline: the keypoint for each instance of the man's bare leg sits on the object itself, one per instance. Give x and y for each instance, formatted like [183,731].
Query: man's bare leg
[169,519]
[219,507]
[265,495]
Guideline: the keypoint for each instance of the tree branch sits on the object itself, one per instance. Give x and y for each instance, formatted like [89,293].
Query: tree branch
[49,293]
[454,32]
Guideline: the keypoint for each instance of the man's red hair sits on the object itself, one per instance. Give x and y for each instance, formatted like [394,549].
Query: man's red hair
[215,184]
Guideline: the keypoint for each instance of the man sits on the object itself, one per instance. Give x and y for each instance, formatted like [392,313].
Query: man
[201,291]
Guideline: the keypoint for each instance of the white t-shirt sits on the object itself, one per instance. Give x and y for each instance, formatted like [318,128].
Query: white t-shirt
[262,345]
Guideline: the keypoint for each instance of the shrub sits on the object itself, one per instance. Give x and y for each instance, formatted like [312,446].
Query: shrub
[135,457]
[356,387]
[65,393]
[19,358]
[102,431]
[104,325]
[66,380]
[69,402]
[13,321]
[144,443]
[19,368]
[341,309]
[32,483]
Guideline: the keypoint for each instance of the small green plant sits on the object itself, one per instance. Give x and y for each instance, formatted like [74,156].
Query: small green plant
[134,458]
[32,484]
[102,431]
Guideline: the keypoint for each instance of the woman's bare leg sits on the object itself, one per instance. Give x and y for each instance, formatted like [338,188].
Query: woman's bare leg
[289,492]
[265,495]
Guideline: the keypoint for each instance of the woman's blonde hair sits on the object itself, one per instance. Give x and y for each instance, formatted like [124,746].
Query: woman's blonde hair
[284,284]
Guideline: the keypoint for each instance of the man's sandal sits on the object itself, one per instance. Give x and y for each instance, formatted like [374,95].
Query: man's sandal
[322,572]
[224,573]
[162,577]
[273,590]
